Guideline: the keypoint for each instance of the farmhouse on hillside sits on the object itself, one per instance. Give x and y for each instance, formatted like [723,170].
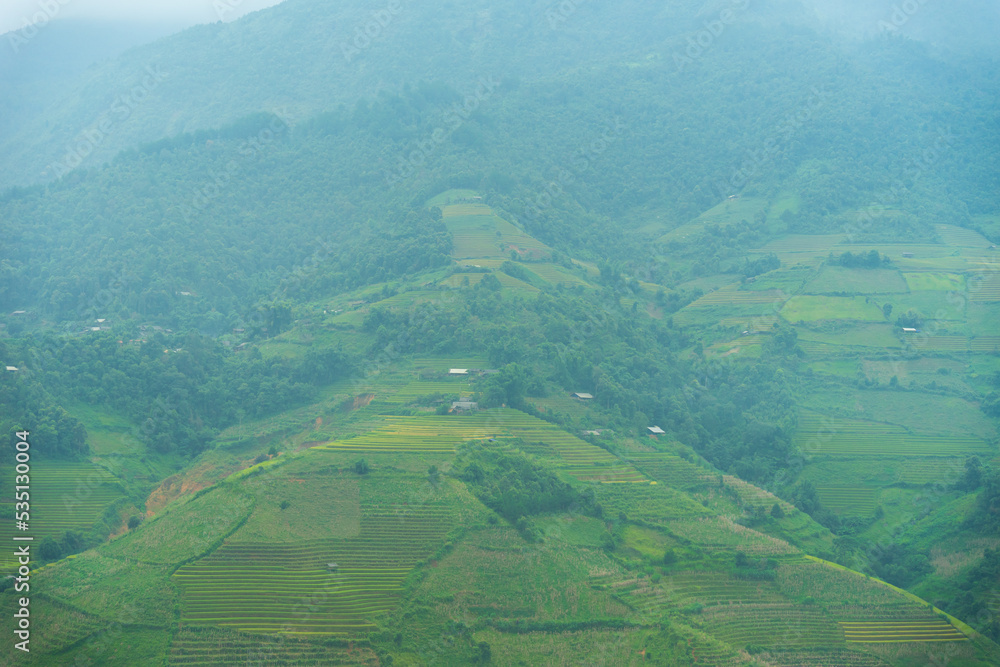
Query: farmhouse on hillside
[582,396]
[460,406]
[656,430]
[458,371]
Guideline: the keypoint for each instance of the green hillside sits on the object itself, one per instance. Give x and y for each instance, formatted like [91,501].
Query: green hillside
[523,335]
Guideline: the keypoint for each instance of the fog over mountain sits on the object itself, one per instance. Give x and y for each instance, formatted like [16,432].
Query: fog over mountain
[376,332]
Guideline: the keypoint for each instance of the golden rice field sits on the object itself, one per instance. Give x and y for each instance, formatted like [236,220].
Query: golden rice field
[932,629]
[438,435]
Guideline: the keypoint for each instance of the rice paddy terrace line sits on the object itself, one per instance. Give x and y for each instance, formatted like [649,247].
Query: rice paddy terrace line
[828,436]
[931,629]
[439,435]
[64,496]
[478,233]
[848,499]
[215,646]
[773,625]
[330,587]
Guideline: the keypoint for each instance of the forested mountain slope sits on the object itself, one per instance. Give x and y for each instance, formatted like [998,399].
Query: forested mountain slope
[234,342]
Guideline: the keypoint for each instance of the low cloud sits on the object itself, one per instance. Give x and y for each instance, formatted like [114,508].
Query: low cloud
[16,14]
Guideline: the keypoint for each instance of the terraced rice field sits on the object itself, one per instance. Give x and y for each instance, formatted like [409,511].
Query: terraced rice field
[653,503]
[420,434]
[818,308]
[754,495]
[717,588]
[435,434]
[931,629]
[404,299]
[670,469]
[418,388]
[773,625]
[832,656]
[733,296]
[980,344]
[817,349]
[72,625]
[931,471]
[722,534]
[453,210]
[759,324]
[961,237]
[639,592]
[64,496]
[933,282]
[289,589]
[848,499]
[804,243]
[556,275]
[822,436]
[484,235]
[837,279]
[710,651]
[445,363]
[220,647]
[985,286]
[515,284]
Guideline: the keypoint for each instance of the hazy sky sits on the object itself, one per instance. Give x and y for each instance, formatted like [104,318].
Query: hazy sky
[14,13]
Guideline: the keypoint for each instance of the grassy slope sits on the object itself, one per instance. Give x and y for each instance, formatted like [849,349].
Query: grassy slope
[427,561]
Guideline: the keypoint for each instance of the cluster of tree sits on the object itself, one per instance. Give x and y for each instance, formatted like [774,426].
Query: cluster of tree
[763,569]
[513,486]
[180,389]
[870,260]
[755,267]
[26,406]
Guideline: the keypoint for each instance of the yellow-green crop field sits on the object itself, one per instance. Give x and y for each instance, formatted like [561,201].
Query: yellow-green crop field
[63,497]
[290,588]
[961,237]
[214,646]
[837,279]
[848,499]
[820,436]
[984,286]
[437,434]
[732,295]
[816,308]
[934,281]
[930,630]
